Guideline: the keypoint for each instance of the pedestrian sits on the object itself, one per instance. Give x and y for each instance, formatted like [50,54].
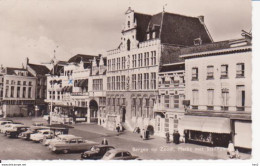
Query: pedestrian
[118,128]
[174,136]
[167,137]
[177,135]
[104,142]
[121,128]
[231,148]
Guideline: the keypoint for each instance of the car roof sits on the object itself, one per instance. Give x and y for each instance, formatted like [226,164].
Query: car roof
[43,130]
[117,150]
[101,146]
[68,136]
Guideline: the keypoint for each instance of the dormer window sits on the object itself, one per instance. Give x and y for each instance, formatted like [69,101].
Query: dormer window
[148,36]
[154,34]
[197,41]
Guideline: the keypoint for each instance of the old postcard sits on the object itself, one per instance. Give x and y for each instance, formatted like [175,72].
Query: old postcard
[126,80]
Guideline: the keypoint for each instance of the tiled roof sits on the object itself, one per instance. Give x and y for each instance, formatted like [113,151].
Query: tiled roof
[142,23]
[172,28]
[11,70]
[173,67]
[182,30]
[170,54]
[77,58]
[39,69]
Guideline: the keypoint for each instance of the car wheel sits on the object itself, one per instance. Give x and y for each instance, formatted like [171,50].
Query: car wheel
[41,141]
[65,151]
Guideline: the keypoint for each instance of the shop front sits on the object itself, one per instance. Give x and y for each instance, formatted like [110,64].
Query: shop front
[215,131]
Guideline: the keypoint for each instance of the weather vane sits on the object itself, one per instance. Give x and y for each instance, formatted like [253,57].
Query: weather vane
[164,7]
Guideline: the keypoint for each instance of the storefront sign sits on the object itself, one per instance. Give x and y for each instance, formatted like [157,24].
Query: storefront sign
[81,119]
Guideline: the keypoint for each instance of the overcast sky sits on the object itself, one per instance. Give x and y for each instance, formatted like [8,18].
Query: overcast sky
[34,28]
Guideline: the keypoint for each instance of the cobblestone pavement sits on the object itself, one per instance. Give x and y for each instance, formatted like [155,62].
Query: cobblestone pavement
[155,148]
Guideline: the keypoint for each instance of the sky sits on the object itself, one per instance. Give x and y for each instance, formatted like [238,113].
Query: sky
[35,28]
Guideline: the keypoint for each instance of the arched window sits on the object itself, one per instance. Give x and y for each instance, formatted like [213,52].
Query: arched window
[128,44]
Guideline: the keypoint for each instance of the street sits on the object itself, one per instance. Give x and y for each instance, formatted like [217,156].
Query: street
[155,148]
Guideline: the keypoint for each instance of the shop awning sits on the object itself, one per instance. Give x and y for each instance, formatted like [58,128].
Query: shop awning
[205,124]
[83,83]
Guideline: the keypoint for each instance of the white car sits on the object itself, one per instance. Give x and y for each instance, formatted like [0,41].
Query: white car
[4,122]
[38,137]
[6,127]
[11,127]
[59,138]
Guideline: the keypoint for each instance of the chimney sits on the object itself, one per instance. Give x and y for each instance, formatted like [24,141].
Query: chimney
[201,18]
[26,62]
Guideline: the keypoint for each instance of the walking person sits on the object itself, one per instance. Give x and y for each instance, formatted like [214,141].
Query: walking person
[104,142]
[231,149]
[118,128]
[167,137]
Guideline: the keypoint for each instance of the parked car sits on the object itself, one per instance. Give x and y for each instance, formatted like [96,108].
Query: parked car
[118,154]
[32,130]
[72,144]
[4,122]
[38,124]
[96,152]
[38,137]
[15,130]
[59,138]
[6,127]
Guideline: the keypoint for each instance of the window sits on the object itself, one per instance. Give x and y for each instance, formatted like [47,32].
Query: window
[241,96]
[18,82]
[210,72]
[145,59]
[128,24]
[18,92]
[109,65]
[123,82]
[123,62]
[166,101]
[113,83]
[118,63]
[146,80]
[109,83]
[140,81]
[224,71]
[195,98]
[118,82]
[225,97]
[98,84]
[134,107]
[24,92]
[7,91]
[118,155]
[148,36]
[30,92]
[210,99]
[195,74]
[153,80]
[113,64]
[153,57]
[141,60]
[176,101]
[134,61]
[240,70]
[7,81]
[128,45]
[30,83]
[133,81]
[12,91]
[126,154]
[24,83]
[141,106]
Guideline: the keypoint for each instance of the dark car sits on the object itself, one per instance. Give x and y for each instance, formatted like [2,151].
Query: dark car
[96,152]
[16,130]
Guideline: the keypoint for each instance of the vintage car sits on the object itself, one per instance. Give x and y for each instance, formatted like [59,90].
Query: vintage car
[15,130]
[118,154]
[96,152]
[59,138]
[38,124]
[32,130]
[4,122]
[72,144]
[38,137]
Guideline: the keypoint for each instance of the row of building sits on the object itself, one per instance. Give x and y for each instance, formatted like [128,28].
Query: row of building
[166,75]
